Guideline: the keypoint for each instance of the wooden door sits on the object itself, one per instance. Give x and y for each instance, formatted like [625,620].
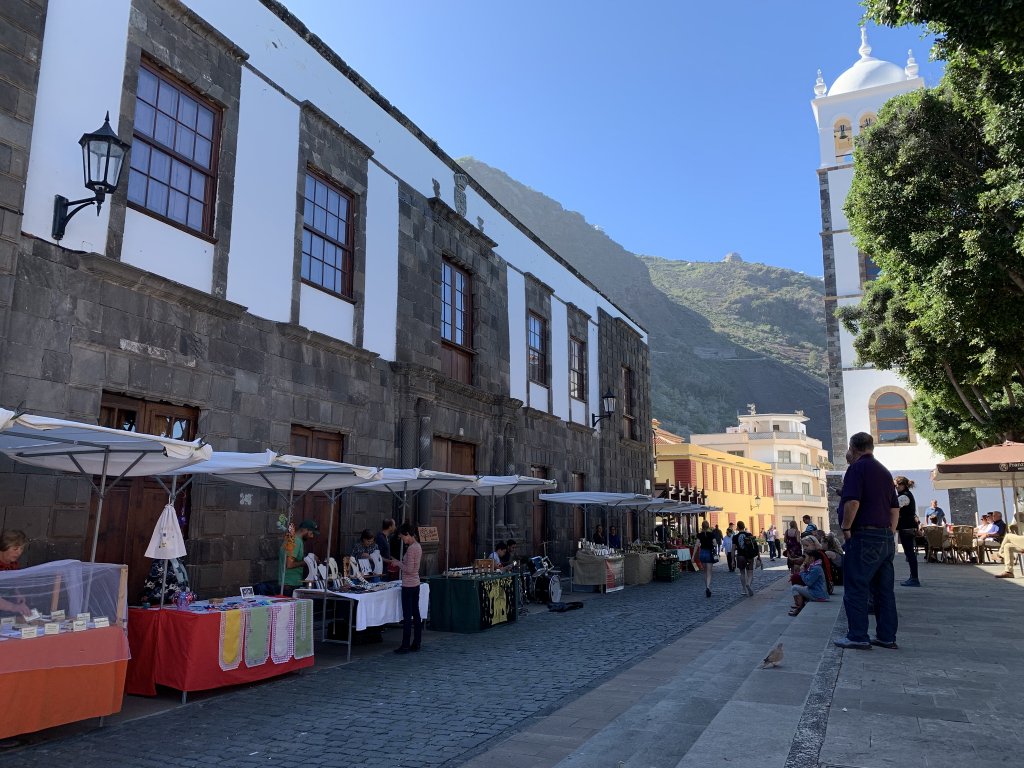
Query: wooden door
[133,506]
[452,456]
[315,505]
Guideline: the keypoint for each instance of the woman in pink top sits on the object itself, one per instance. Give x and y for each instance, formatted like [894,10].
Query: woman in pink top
[412,624]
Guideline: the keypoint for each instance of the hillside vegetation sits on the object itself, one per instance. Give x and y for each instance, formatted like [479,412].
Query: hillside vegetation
[774,310]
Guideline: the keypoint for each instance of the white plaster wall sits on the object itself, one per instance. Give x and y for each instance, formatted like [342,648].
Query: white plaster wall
[594,390]
[578,411]
[261,265]
[516,335]
[167,251]
[858,386]
[846,350]
[538,397]
[559,360]
[380,316]
[838,189]
[847,265]
[325,313]
[77,85]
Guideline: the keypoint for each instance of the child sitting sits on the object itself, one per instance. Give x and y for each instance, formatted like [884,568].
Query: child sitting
[814,586]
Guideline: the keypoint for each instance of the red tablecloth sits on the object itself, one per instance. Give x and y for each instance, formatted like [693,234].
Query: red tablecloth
[180,649]
[46,696]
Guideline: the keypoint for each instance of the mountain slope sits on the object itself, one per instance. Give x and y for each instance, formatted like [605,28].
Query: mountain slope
[700,378]
[775,310]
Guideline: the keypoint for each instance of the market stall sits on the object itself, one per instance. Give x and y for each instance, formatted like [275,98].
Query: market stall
[638,567]
[63,655]
[210,645]
[376,606]
[472,602]
[595,568]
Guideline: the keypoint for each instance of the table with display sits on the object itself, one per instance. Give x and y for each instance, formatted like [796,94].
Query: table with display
[473,602]
[381,605]
[638,567]
[605,571]
[200,648]
[56,679]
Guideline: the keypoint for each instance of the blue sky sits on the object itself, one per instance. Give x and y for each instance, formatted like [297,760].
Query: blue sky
[681,128]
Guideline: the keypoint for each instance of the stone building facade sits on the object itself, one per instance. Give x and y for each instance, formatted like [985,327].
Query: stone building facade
[143,321]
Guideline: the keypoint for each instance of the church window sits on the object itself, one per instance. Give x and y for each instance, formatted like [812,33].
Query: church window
[867,120]
[890,423]
[843,136]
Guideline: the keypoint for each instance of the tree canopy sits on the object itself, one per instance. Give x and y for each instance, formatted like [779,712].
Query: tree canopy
[938,201]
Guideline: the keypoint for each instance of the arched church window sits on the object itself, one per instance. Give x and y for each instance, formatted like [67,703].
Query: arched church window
[869,270]
[843,136]
[891,420]
[867,120]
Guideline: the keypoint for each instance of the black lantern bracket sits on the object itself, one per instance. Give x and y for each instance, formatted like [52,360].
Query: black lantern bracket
[102,162]
[607,408]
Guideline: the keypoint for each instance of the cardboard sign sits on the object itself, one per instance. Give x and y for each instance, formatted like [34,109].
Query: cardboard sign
[79,626]
[7,621]
[247,593]
[86,617]
[57,616]
[428,533]
[101,621]
[27,632]
[51,628]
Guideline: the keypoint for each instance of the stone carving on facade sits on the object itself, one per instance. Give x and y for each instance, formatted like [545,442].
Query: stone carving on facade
[437,187]
[461,180]
[480,223]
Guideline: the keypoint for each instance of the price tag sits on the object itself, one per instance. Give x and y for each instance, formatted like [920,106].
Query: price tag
[101,621]
[28,632]
[7,621]
[51,628]
[86,617]
[57,616]
[79,625]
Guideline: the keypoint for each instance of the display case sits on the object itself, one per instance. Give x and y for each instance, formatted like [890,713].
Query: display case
[63,646]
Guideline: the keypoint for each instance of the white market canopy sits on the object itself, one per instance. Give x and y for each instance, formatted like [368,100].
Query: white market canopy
[624,501]
[404,480]
[498,486]
[282,472]
[91,450]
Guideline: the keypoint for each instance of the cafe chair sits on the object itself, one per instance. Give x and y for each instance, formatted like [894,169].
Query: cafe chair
[963,542]
[938,543]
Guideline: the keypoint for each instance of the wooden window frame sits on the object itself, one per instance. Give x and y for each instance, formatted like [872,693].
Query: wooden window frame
[347,266]
[537,356]
[577,368]
[151,142]
[876,422]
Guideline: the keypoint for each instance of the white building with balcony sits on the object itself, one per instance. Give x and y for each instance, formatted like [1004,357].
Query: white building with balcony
[798,461]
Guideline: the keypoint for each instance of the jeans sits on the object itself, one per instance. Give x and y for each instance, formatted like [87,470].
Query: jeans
[867,570]
[907,537]
[773,549]
[411,622]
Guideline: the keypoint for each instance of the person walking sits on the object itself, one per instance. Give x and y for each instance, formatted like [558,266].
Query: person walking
[772,535]
[727,546]
[717,533]
[870,512]
[412,623]
[706,554]
[745,552]
[906,527]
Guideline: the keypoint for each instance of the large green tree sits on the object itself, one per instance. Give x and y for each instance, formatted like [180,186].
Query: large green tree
[937,201]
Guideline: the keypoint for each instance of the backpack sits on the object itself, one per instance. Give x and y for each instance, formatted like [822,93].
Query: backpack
[826,568]
[747,547]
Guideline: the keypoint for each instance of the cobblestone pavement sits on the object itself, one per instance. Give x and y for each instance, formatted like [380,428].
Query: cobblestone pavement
[435,708]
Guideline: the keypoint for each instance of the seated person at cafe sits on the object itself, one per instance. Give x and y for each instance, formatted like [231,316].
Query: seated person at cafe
[991,537]
[499,554]
[599,537]
[614,539]
[177,581]
[291,554]
[1012,546]
[367,556]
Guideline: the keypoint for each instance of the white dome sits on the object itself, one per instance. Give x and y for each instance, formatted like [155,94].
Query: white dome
[868,72]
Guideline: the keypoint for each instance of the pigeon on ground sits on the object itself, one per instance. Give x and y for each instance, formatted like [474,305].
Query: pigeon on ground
[774,657]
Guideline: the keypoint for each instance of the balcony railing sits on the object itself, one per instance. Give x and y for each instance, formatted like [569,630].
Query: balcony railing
[773,435]
[793,465]
[803,497]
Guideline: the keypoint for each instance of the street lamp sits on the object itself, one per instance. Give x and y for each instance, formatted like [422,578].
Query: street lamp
[607,408]
[756,503]
[102,162]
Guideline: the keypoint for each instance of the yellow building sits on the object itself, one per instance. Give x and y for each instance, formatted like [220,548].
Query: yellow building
[741,486]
